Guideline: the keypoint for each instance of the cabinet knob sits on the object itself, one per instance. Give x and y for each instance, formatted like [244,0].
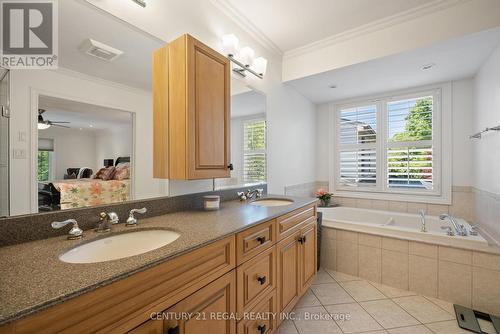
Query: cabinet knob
[261,329]
[300,240]
[230,167]
[261,279]
[261,239]
[173,330]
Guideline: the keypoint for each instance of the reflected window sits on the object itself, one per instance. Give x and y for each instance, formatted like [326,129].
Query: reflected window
[254,151]
[45,165]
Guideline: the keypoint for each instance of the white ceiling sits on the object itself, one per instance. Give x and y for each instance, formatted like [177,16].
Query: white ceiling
[453,59]
[83,115]
[248,103]
[294,23]
[78,20]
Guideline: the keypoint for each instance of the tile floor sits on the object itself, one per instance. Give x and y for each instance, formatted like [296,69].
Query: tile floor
[340,303]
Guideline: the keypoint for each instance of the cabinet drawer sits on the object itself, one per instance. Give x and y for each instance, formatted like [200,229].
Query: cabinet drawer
[254,240]
[260,319]
[255,278]
[292,221]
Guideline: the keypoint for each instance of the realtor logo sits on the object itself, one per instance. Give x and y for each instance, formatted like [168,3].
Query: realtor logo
[29,34]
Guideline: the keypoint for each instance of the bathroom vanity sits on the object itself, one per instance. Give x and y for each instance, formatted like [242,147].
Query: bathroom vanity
[230,271]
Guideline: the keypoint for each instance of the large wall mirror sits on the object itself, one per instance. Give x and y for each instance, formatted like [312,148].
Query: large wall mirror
[81,135]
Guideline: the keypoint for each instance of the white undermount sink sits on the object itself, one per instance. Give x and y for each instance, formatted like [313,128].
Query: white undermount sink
[272,202]
[119,246]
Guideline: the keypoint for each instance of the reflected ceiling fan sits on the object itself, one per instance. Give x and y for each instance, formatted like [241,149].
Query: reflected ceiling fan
[45,124]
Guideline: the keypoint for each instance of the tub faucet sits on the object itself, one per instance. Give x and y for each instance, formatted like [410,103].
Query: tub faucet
[459,228]
[423,227]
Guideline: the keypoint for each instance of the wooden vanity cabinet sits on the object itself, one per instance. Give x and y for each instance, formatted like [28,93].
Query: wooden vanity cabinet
[226,287]
[191,97]
[296,261]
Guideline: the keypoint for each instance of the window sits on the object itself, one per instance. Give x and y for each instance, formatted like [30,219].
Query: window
[254,151]
[45,159]
[390,145]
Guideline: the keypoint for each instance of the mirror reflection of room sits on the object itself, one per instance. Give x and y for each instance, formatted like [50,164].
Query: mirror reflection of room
[248,139]
[84,154]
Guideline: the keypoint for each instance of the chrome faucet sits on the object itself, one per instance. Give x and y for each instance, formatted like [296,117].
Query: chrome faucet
[459,228]
[249,194]
[423,227]
[75,232]
[131,220]
[105,221]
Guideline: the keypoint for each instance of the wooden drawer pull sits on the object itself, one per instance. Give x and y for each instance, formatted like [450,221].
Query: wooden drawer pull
[261,239]
[261,329]
[262,280]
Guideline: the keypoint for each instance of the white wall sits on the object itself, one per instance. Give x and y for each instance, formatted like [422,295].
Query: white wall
[462,110]
[487,114]
[113,143]
[78,87]
[72,149]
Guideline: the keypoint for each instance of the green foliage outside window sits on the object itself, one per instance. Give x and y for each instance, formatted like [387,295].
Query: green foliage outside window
[254,151]
[43,165]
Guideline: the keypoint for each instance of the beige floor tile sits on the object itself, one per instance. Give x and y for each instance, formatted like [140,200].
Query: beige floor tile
[352,318]
[287,327]
[446,327]
[308,299]
[362,291]
[341,277]
[392,292]
[447,306]
[331,294]
[322,277]
[422,309]
[388,314]
[315,320]
[420,329]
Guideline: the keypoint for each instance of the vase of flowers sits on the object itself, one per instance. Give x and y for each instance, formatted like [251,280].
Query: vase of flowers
[324,196]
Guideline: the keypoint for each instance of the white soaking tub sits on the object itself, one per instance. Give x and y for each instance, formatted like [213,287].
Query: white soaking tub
[401,225]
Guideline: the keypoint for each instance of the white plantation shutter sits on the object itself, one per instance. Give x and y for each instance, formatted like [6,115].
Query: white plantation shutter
[409,144]
[389,146]
[357,149]
[254,151]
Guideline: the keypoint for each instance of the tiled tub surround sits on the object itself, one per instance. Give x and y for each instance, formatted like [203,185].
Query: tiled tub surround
[466,277]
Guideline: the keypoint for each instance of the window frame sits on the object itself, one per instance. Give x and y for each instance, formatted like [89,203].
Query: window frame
[245,151]
[441,143]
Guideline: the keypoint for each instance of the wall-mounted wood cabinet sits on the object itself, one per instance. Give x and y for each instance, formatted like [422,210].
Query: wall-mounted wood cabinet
[191,102]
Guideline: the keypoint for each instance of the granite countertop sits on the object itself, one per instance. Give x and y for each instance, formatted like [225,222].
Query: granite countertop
[33,278]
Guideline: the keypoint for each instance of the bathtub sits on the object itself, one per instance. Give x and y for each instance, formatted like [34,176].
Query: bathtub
[401,225]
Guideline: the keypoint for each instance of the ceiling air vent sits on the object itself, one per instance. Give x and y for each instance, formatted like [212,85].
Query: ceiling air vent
[100,50]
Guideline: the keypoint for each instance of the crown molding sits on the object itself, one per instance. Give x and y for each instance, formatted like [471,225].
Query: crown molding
[244,23]
[374,26]
[83,76]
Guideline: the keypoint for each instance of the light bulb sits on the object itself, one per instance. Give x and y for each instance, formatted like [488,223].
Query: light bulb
[259,65]
[43,126]
[230,44]
[246,55]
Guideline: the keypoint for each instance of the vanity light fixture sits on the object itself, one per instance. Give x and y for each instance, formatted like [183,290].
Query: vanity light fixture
[141,3]
[43,126]
[244,58]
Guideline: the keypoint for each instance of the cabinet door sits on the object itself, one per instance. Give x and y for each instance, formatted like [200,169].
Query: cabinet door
[288,272]
[208,112]
[149,327]
[208,310]
[308,249]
